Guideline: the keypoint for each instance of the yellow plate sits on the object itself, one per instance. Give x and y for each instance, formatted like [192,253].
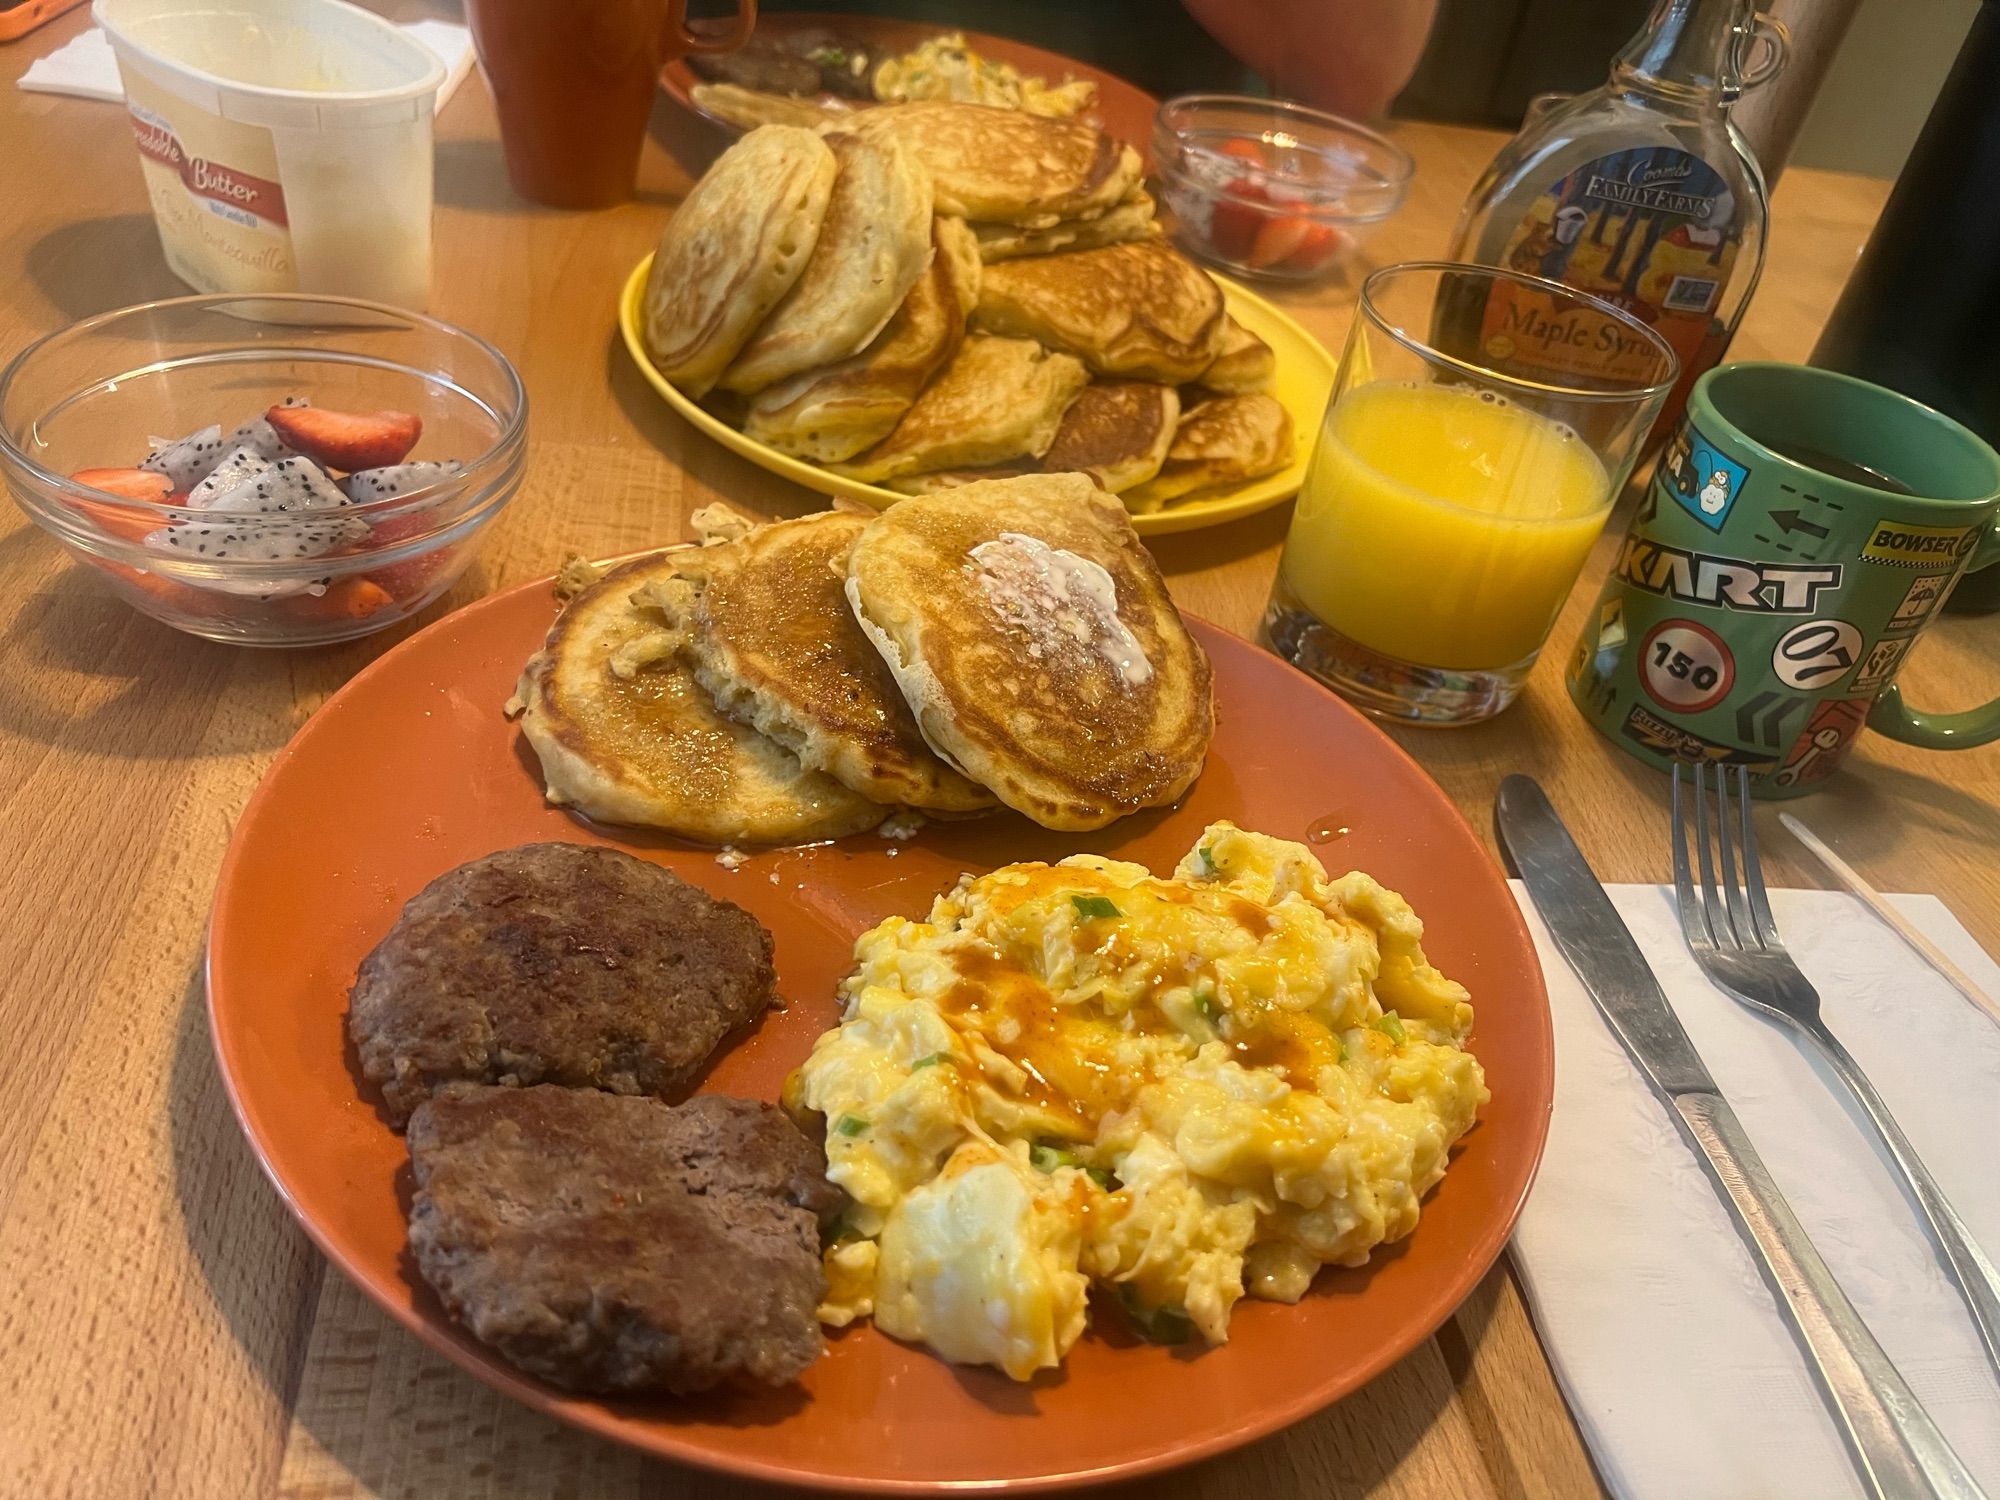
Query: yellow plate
[1304,380]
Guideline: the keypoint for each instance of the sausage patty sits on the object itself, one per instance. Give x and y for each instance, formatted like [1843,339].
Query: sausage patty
[621,1244]
[556,963]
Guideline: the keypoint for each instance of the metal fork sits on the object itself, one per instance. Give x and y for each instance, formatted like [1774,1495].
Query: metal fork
[1729,928]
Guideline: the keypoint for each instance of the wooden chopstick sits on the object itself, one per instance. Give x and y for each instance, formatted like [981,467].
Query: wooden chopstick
[1929,951]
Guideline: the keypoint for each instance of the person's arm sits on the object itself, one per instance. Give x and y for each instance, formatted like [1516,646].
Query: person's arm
[1350,56]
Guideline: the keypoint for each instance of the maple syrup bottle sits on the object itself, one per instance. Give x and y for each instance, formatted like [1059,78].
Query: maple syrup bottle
[1641,192]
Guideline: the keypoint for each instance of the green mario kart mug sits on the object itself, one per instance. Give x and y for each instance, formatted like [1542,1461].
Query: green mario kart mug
[1800,531]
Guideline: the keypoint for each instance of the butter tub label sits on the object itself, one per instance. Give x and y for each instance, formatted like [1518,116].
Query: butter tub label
[250,196]
[215,192]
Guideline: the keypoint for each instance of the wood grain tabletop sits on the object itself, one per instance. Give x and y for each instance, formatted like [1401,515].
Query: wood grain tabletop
[165,1328]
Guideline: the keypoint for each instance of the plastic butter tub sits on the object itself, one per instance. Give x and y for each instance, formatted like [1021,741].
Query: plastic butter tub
[286,144]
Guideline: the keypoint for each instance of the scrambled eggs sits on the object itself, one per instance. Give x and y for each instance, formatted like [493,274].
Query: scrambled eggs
[1179,1090]
[946,68]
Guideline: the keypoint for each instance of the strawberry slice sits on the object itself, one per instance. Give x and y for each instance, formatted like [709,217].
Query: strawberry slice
[1233,222]
[345,439]
[126,484]
[408,578]
[1246,150]
[1277,241]
[349,599]
[1321,244]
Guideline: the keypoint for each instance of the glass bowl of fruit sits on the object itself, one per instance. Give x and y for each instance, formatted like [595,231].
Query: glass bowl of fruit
[276,470]
[1268,189]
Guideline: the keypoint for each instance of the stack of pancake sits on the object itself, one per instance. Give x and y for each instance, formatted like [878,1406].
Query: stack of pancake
[1010,642]
[927,295]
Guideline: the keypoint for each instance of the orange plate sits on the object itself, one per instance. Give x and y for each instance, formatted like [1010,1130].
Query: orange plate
[410,770]
[1123,109]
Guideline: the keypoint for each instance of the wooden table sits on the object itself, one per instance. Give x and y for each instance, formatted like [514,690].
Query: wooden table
[165,1328]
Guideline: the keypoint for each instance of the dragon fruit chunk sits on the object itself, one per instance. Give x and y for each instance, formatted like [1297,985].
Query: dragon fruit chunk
[295,487]
[398,479]
[282,513]
[243,464]
[186,461]
[259,434]
[253,541]
[289,485]
[237,541]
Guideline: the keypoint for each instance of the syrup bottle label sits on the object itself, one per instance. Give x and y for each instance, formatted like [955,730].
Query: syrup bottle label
[1653,230]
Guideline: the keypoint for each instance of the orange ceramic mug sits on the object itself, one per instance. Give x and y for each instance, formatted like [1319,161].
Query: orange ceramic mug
[573,81]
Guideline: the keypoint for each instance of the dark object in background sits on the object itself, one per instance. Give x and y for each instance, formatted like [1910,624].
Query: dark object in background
[1921,311]
[760,66]
[1485,61]
[801,64]
[1155,44]
[846,64]
[1488,58]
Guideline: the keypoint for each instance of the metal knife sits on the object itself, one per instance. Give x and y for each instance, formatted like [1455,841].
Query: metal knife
[1895,1445]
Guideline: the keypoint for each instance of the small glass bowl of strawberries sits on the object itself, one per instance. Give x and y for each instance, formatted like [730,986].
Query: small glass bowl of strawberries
[279,470]
[1273,190]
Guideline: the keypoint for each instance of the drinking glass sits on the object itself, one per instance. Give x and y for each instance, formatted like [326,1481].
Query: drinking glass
[1459,481]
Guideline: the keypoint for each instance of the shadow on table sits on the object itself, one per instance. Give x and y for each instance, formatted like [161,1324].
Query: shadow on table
[1218,546]
[691,141]
[93,265]
[105,680]
[696,460]
[1884,807]
[1352,1449]
[472,172]
[1459,1341]
[262,1272]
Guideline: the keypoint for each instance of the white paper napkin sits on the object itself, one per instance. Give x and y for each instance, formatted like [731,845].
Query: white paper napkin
[84,65]
[1671,1351]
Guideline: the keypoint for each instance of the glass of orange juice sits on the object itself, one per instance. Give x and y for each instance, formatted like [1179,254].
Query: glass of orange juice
[1460,479]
